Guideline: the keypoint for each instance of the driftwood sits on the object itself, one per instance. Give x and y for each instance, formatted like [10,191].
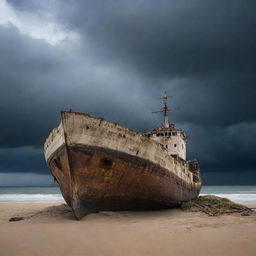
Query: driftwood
[17,218]
[214,205]
[206,209]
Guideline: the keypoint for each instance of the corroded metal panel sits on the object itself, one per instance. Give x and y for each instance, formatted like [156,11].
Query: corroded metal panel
[60,169]
[107,180]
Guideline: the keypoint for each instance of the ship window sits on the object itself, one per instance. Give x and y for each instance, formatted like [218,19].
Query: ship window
[166,146]
[166,134]
[106,163]
[175,145]
[157,135]
[174,133]
[170,134]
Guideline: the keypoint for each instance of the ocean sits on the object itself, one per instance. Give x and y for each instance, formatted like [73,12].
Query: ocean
[239,194]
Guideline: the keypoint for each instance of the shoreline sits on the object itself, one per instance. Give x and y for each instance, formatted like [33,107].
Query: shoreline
[52,230]
[253,205]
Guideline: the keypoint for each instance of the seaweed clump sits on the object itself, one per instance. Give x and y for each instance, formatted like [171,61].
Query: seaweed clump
[214,205]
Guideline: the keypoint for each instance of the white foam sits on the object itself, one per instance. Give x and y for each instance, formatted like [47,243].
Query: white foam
[243,198]
[239,197]
[30,198]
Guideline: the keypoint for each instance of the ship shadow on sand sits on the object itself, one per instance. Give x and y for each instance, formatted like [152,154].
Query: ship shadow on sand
[64,212]
[210,205]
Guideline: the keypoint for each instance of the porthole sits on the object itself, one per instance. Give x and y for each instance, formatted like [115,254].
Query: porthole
[106,163]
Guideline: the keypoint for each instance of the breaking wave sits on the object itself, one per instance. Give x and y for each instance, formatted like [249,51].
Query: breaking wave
[239,194]
[49,198]
[30,198]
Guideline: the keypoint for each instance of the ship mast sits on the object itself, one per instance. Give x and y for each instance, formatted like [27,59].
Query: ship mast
[165,110]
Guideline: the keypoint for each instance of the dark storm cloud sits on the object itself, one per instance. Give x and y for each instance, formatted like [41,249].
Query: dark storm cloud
[170,38]
[128,53]
[25,159]
[208,47]
[230,149]
[247,178]
[25,66]
[38,80]
[31,5]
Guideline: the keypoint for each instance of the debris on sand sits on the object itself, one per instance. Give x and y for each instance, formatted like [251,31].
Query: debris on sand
[61,211]
[17,218]
[214,205]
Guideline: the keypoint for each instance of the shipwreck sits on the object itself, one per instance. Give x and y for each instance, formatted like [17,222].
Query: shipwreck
[102,166]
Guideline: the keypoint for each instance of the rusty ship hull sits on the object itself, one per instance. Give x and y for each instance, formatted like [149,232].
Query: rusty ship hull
[101,165]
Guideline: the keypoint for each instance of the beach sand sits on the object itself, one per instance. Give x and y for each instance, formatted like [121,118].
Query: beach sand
[53,231]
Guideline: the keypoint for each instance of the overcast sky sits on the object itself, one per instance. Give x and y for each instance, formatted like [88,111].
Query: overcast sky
[114,59]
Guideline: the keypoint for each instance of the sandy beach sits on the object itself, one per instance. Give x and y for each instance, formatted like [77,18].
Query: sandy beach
[52,230]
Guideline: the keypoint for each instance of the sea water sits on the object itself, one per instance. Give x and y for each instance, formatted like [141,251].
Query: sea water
[239,194]
[30,195]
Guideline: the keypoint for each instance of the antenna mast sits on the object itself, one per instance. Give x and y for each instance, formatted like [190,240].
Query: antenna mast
[165,110]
